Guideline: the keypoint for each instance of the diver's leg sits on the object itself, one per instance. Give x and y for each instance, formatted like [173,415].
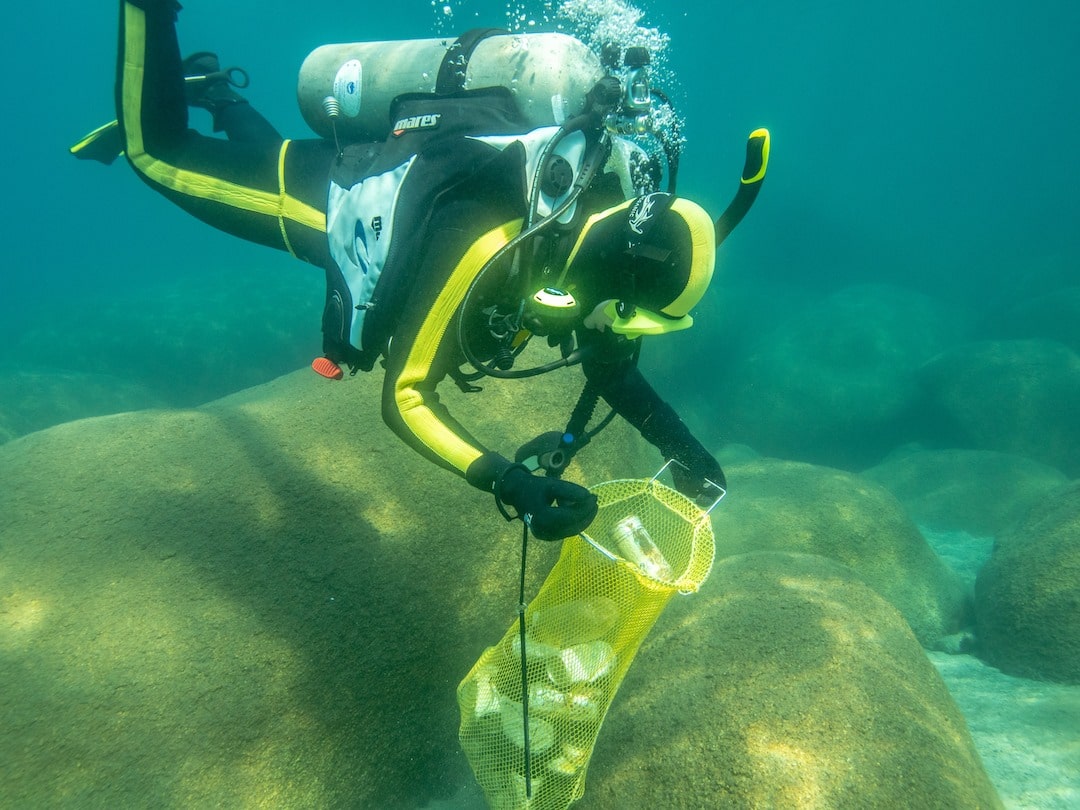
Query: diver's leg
[232,185]
[209,88]
[242,122]
[154,106]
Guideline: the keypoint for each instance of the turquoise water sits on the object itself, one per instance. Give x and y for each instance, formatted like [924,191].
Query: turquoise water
[927,147]
[908,282]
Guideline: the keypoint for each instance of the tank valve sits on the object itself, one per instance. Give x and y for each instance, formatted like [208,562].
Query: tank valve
[332,107]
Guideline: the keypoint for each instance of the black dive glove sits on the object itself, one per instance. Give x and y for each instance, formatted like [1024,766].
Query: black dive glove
[553,508]
[663,428]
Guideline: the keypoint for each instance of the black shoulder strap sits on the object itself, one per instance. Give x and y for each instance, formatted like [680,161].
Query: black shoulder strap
[451,77]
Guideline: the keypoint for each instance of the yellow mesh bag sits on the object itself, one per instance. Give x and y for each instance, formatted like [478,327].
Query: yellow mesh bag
[583,629]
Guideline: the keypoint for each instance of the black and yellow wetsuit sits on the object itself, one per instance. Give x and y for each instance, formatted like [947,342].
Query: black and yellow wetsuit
[464,199]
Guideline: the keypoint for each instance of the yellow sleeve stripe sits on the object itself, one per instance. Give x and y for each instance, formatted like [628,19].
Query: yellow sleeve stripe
[420,419]
[194,184]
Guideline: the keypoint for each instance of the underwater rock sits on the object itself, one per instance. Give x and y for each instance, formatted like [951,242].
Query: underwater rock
[728,325]
[837,385]
[1015,396]
[1027,596]
[981,492]
[34,400]
[776,505]
[269,600]
[731,454]
[190,340]
[786,682]
[1055,316]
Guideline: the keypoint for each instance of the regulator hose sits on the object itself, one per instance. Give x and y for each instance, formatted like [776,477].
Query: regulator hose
[592,162]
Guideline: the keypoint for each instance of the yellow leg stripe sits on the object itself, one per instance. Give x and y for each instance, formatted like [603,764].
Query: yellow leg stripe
[281,197]
[421,421]
[134,59]
[193,184]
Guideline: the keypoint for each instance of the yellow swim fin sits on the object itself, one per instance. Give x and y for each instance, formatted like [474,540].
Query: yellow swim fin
[105,144]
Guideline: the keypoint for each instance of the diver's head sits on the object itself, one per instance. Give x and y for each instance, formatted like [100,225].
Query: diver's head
[640,267]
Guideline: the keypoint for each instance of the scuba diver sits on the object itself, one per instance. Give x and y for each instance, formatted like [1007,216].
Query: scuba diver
[449,240]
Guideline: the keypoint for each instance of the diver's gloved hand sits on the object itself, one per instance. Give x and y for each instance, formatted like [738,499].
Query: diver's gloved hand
[550,451]
[694,473]
[553,508]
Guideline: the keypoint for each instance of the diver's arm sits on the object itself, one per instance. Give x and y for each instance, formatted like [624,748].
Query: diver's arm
[551,507]
[239,187]
[626,390]
[421,353]
[468,217]
[424,349]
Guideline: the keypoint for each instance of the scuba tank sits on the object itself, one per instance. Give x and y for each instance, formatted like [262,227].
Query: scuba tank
[346,90]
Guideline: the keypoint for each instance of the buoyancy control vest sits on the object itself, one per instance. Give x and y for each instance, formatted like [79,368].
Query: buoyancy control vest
[435,141]
[380,198]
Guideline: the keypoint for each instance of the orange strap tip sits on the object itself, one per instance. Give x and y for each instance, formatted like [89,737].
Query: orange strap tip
[325,367]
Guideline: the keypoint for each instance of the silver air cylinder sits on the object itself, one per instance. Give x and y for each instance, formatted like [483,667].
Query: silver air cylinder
[549,75]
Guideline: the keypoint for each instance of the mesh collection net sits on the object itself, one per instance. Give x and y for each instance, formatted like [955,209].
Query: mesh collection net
[583,629]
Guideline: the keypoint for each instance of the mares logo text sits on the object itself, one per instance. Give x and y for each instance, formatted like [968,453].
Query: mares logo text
[414,123]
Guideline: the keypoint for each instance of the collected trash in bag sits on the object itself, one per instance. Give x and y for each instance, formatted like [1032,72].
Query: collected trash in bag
[582,631]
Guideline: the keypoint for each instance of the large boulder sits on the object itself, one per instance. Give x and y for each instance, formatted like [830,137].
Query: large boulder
[837,384]
[1053,316]
[268,600]
[791,506]
[729,323]
[187,340]
[33,399]
[785,683]
[1027,596]
[1013,396]
[981,492]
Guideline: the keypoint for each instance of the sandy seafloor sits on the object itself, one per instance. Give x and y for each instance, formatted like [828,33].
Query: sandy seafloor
[1027,732]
